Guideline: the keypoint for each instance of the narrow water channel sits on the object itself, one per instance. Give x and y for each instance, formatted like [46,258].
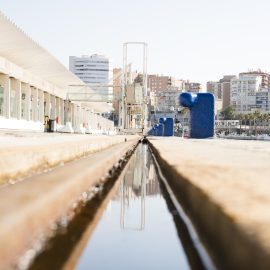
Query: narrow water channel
[137,228]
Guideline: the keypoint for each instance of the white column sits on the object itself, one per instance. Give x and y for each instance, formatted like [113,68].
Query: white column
[67,112]
[72,114]
[15,85]
[26,89]
[62,112]
[41,105]
[76,116]
[57,108]
[5,82]
[53,107]
[19,100]
[35,108]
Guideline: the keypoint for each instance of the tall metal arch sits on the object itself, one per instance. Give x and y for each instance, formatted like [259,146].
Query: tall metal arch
[125,83]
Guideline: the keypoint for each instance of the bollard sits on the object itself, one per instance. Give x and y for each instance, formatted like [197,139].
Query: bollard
[202,114]
[168,125]
[160,129]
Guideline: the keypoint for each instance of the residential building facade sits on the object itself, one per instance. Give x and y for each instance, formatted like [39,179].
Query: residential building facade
[162,83]
[35,88]
[244,92]
[192,87]
[265,84]
[221,90]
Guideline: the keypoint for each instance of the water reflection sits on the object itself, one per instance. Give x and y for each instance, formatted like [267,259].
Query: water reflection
[146,237]
[138,182]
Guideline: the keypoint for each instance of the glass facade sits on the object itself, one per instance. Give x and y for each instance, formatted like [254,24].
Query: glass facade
[31,107]
[23,106]
[1,101]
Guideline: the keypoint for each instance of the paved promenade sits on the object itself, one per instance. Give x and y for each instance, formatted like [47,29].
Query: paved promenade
[225,185]
[23,154]
[31,208]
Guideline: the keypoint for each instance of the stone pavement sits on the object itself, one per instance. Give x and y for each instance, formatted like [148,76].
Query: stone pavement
[30,209]
[225,187]
[23,154]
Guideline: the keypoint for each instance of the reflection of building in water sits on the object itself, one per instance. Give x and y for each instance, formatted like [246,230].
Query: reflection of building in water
[139,181]
[133,178]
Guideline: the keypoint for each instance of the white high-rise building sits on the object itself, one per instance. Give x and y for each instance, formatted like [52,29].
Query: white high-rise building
[244,91]
[94,69]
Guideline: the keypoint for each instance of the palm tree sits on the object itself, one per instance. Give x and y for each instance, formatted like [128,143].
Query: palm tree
[246,117]
[228,113]
[267,121]
[250,118]
[257,116]
[264,118]
[241,117]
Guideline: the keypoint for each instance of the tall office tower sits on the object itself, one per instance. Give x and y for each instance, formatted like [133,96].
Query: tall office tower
[95,70]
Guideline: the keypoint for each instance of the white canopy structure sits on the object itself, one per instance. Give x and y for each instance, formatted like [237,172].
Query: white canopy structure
[37,63]
[35,86]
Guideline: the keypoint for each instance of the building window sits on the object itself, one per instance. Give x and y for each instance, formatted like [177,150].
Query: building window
[1,101]
[13,104]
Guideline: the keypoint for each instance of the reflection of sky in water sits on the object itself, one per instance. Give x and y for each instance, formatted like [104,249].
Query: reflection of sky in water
[118,242]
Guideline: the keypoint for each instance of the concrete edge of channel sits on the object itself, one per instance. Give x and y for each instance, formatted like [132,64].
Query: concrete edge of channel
[24,162]
[229,245]
[44,199]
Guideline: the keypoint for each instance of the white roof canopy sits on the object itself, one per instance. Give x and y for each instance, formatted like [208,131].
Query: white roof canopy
[17,47]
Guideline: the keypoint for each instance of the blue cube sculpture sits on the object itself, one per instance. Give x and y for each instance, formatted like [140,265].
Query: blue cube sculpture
[202,114]
[168,126]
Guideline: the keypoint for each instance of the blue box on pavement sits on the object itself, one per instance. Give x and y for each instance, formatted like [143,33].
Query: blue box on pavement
[168,125]
[202,114]
[159,129]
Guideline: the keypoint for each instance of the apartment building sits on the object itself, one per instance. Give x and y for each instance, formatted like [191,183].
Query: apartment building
[244,92]
[193,87]
[265,84]
[161,83]
[95,70]
[165,101]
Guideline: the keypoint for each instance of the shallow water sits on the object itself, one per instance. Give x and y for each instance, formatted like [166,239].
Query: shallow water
[136,230]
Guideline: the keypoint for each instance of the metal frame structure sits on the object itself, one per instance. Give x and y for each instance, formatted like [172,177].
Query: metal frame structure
[125,83]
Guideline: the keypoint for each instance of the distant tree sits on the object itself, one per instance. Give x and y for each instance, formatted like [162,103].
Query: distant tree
[264,121]
[267,121]
[228,113]
[246,118]
[251,118]
[240,117]
[257,117]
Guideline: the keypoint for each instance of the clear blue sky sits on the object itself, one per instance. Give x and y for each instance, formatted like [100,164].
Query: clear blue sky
[199,40]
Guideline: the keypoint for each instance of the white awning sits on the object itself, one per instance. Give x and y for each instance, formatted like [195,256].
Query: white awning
[20,49]
[17,47]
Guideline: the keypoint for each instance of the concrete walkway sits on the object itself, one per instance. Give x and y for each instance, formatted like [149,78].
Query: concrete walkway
[30,209]
[23,154]
[225,187]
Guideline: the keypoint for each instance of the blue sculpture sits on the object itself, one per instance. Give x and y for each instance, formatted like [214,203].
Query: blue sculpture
[168,126]
[202,114]
[159,129]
